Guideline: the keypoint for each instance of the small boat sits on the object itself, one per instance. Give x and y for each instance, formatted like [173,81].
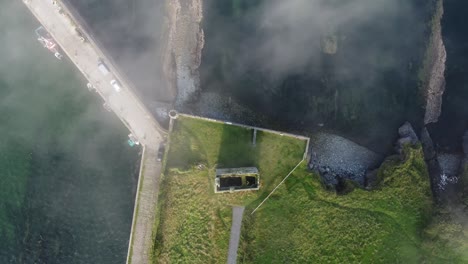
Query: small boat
[132,141]
[48,42]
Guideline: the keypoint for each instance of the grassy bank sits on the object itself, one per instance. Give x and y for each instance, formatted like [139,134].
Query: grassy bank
[301,222]
[195,222]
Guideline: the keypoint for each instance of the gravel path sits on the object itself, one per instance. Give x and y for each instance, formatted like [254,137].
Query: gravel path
[237,212]
[141,238]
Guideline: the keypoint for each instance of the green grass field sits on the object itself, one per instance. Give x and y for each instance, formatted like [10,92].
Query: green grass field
[195,222]
[301,222]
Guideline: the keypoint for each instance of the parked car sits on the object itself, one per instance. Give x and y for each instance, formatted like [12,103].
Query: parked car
[116,85]
[103,68]
[161,150]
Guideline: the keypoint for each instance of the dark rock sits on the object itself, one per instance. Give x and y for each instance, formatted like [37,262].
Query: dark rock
[407,131]
[433,166]
[434,70]
[427,145]
[404,141]
[465,144]
[345,186]
[371,179]
[335,157]
[407,136]
[329,178]
[322,169]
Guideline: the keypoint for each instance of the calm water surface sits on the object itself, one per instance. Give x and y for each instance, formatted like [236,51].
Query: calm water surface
[364,91]
[67,176]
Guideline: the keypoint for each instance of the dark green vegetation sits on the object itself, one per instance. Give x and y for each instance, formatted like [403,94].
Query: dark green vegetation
[268,56]
[194,221]
[67,177]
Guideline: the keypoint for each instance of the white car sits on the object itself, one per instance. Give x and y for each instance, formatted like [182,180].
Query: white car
[116,85]
[103,68]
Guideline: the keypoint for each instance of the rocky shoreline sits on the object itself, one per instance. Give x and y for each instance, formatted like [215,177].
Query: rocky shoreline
[336,158]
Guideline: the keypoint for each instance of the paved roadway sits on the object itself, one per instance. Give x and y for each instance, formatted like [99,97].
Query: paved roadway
[132,112]
[142,236]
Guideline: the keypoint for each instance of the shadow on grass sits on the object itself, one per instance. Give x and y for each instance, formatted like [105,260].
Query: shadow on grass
[236,148]
[187,151]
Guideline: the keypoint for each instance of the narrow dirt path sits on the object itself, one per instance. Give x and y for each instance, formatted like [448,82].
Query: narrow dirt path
[237,213]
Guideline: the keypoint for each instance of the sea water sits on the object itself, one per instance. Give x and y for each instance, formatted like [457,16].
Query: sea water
[67,175]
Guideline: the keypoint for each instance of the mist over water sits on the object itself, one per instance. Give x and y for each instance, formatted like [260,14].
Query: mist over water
[273,64]
[447,133]
[304,66]
[67,176]
[132,32]
[272,57]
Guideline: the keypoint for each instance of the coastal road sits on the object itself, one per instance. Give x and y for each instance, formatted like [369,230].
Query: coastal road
[58,21]
[86,55]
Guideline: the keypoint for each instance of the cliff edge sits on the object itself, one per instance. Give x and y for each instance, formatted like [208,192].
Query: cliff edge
[433,79]
[186,40]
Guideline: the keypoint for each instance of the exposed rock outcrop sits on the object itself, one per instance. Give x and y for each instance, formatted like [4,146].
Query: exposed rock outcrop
[444,168]
[428,145]
[433,79]
[186,40]
[430,156]
[407,136]
[336,158]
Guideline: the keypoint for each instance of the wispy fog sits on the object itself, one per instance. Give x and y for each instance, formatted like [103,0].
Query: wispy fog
[290,32]
[132,32]
[67,176]
[350,66]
